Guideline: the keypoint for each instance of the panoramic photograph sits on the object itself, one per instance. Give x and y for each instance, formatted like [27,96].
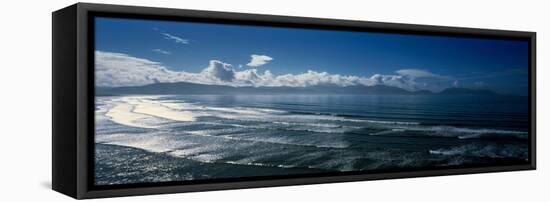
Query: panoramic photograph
[189,101]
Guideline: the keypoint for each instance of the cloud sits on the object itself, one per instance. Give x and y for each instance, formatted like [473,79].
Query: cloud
[259,60]
[175,38]
[118,69]
[418,79]
[160,51]
[309,78]
[417,73]
[219,70]
[399,81]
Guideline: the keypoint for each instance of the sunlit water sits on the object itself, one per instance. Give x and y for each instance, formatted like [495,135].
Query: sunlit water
[175,138]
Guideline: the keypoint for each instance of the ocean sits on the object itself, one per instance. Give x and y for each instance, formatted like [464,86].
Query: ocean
[143,139]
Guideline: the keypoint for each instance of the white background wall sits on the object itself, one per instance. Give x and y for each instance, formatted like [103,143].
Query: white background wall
[25,89]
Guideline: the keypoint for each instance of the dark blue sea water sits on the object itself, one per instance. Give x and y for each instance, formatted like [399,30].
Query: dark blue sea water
[175,138]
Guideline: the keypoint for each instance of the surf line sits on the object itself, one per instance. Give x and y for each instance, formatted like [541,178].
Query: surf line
[134,112]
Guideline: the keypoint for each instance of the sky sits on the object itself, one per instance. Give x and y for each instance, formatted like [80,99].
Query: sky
[132,52]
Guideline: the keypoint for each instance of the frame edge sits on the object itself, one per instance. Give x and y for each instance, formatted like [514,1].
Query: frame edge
[84,191]
[64,145]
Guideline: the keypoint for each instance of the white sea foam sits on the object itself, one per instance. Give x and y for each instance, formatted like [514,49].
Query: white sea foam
[202,154]
[453,151]
[259,164]
[469,133]
[321,125]
[142,112]
[155,108]
[471,130]
[146,141]
[178,106]
[273,139]
[261,137]
[390,122]
[456,132]
[494,135]
[264,114]
[122,113]
[134,111]
[478,150]
[244,110]
[167,107]
[341,163]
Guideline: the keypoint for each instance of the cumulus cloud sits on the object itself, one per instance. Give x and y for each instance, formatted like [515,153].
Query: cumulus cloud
[258,60]
[160,51]
[309,78]
[219,70]
[174,38]
[118,69]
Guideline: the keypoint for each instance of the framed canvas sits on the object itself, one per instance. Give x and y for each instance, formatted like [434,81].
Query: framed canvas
[154,100]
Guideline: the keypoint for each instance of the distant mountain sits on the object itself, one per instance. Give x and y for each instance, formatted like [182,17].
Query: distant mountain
[467,91]
[185,88]
[194,88]
[423,92]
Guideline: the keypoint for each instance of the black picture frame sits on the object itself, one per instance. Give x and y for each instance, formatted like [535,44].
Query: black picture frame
[73,98]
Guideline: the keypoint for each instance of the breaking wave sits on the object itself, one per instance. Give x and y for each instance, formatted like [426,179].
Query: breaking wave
[490,150]
[287,137]
[455,132]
